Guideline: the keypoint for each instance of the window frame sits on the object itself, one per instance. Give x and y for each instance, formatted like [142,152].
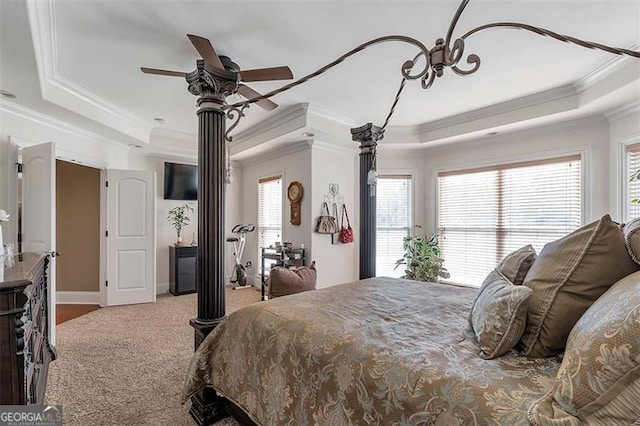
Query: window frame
[388,173]
[623,176]
[267,177]
[583,152]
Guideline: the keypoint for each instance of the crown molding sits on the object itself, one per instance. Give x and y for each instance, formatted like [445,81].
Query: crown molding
[61,91]
[333,116]
[47,120]
[548,129]
[605,71]
[275,153]
[623,111]
[293,115]
[178,135]
[332,147]
[167,154]
[558,93]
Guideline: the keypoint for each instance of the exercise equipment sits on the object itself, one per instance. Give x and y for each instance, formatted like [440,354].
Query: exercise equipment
[239,274]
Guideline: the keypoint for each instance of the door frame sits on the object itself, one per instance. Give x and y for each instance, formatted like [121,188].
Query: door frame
[103,296]
[103,239]
[95,163]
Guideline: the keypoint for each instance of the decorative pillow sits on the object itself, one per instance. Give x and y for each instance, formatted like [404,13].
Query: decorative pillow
[632,238]
[566,278]
[599,378]
[283,281]
[516,265]
[498,315]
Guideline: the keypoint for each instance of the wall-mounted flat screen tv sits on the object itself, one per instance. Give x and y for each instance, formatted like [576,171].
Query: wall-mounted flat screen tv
[180,181]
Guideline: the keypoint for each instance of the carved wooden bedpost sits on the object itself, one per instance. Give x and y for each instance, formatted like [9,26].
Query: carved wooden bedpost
[212,86]
[368,136]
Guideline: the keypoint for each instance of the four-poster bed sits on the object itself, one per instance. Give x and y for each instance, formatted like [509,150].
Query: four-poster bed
[213,81]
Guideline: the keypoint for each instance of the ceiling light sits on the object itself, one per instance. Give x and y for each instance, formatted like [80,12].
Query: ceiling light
[308,135]
[7,94]
[160,120]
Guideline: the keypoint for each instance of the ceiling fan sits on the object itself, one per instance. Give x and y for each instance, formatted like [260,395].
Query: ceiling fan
[208,53]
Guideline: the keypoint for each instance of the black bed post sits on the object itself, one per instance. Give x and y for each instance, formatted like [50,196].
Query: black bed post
[211,86]
[367,136]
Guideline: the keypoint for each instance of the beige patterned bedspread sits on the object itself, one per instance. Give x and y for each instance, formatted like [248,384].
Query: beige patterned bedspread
[376,351]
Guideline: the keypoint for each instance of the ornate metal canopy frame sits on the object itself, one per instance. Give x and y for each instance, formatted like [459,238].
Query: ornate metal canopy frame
[434,61]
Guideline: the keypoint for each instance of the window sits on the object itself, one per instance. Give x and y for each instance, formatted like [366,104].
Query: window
[269,212]
[632,206]
[484,214]
[393,222]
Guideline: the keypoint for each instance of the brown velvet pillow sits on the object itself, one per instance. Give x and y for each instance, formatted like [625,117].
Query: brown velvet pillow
[516,265]
[566,278]
[283,281]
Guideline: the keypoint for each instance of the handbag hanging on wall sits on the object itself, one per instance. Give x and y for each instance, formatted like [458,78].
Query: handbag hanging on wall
[346,233]
[326,223]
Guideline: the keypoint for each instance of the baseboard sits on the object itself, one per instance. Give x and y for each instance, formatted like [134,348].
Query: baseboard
[162,288]
[78,297]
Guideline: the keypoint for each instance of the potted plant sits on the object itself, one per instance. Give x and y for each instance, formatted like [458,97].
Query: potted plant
[179,219]
[635,176]
[422,259]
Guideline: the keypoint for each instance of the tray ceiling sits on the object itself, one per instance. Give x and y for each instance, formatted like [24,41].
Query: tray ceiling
[99,46]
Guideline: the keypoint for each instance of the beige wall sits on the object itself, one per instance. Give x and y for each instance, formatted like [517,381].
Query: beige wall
[77,227]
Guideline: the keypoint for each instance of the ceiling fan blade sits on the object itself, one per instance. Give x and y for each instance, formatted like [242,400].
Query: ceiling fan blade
[206,50]
[249,93]
[163,72]
[266,74]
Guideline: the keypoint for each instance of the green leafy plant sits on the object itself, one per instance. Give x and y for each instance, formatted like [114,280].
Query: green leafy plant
[422,259]
[179,218]
[635,176]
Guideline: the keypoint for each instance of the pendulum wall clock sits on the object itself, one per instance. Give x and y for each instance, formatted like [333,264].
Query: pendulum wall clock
[294,193]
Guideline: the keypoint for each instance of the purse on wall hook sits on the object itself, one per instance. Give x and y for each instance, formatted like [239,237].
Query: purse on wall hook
[326,222]
[346,233]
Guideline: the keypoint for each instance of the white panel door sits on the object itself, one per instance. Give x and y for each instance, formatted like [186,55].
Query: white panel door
[131,239]
[39,214]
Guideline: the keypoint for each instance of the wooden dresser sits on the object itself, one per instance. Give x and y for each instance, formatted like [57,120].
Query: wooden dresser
[25,352]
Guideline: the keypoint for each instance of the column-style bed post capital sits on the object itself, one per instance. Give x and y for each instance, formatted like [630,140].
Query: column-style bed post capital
[367,135]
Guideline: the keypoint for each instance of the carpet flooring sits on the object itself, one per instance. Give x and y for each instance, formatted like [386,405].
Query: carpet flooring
[124,365]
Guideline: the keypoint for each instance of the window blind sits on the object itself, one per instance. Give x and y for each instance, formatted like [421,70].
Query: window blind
[269,212]
[486,213]
[633,187]
[393,222]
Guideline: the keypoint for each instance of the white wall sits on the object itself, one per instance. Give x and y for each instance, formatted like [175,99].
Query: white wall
[407,162]
[623,130]
[335,263]
[165,234]
[590,136]
[9,191]
[25,127]
[294,164]
[71,142]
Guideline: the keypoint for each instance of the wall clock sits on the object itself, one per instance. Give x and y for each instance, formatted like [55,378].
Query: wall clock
[294,193]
